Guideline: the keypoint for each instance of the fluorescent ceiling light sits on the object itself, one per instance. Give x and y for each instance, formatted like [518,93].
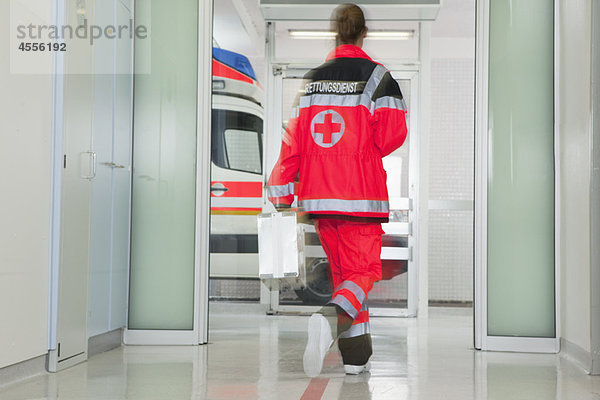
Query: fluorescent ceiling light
[311,34]
[372,34]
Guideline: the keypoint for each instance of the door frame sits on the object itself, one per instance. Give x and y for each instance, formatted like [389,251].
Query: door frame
[276,73]
[411,74]
[203,160]
[58,86]
[199,333]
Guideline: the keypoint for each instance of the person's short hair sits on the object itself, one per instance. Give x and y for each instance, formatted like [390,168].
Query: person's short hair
[348,22]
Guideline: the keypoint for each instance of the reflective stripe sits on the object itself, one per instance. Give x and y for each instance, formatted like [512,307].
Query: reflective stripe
[345,305]
[390,102]
[372,85]
[333,100]
[361,317]
[281,190]
[374,206]
[356,291]
[356,330]
[295,113]
[353,100]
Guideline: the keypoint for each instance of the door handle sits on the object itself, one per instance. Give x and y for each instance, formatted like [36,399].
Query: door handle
[218,189]
[87,167]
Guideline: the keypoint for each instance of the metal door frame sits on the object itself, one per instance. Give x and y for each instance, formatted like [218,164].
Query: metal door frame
[483,341]
[199,333]
[58,18]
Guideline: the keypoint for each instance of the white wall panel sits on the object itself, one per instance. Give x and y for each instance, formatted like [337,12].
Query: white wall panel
[451,153]
[451,170]
[595,198]
[574,117]
[25,167]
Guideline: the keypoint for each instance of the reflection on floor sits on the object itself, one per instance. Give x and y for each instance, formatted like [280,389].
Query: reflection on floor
[254,356]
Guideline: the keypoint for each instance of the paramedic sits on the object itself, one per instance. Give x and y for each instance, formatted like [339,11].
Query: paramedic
[350,115]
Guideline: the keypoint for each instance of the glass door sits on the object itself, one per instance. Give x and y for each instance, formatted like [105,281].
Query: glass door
[169,222]
[396,293]
[516,271]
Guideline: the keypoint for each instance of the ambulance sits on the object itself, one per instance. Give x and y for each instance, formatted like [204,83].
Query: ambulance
[238,179]
[237,174]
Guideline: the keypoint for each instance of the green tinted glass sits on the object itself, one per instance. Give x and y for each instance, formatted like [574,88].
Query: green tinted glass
[164,167]
[521,169]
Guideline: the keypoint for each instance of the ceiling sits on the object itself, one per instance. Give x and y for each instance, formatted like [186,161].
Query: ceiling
[239,26]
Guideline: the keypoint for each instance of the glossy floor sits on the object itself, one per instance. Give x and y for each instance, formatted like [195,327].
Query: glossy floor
[254,356]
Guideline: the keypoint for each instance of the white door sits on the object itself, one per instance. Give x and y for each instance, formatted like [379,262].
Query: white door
[109,253]
[94,106]
[68,332]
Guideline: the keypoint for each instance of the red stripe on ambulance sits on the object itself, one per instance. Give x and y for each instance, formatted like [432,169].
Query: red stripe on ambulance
[225,71]
[237,189]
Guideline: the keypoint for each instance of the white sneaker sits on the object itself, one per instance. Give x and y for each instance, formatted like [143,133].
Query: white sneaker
[319,342]
[357,369]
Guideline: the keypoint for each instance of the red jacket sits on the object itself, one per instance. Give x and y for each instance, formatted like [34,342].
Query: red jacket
[351,115]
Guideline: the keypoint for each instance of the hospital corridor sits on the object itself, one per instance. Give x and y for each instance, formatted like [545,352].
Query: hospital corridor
[300,199]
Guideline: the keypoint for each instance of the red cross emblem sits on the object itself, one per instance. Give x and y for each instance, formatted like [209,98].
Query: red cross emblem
[327,128]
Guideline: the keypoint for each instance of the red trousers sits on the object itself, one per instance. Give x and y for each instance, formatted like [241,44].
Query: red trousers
[354,253]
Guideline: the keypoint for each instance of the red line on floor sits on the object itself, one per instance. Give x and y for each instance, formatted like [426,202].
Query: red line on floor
[331,359]
[315,389]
